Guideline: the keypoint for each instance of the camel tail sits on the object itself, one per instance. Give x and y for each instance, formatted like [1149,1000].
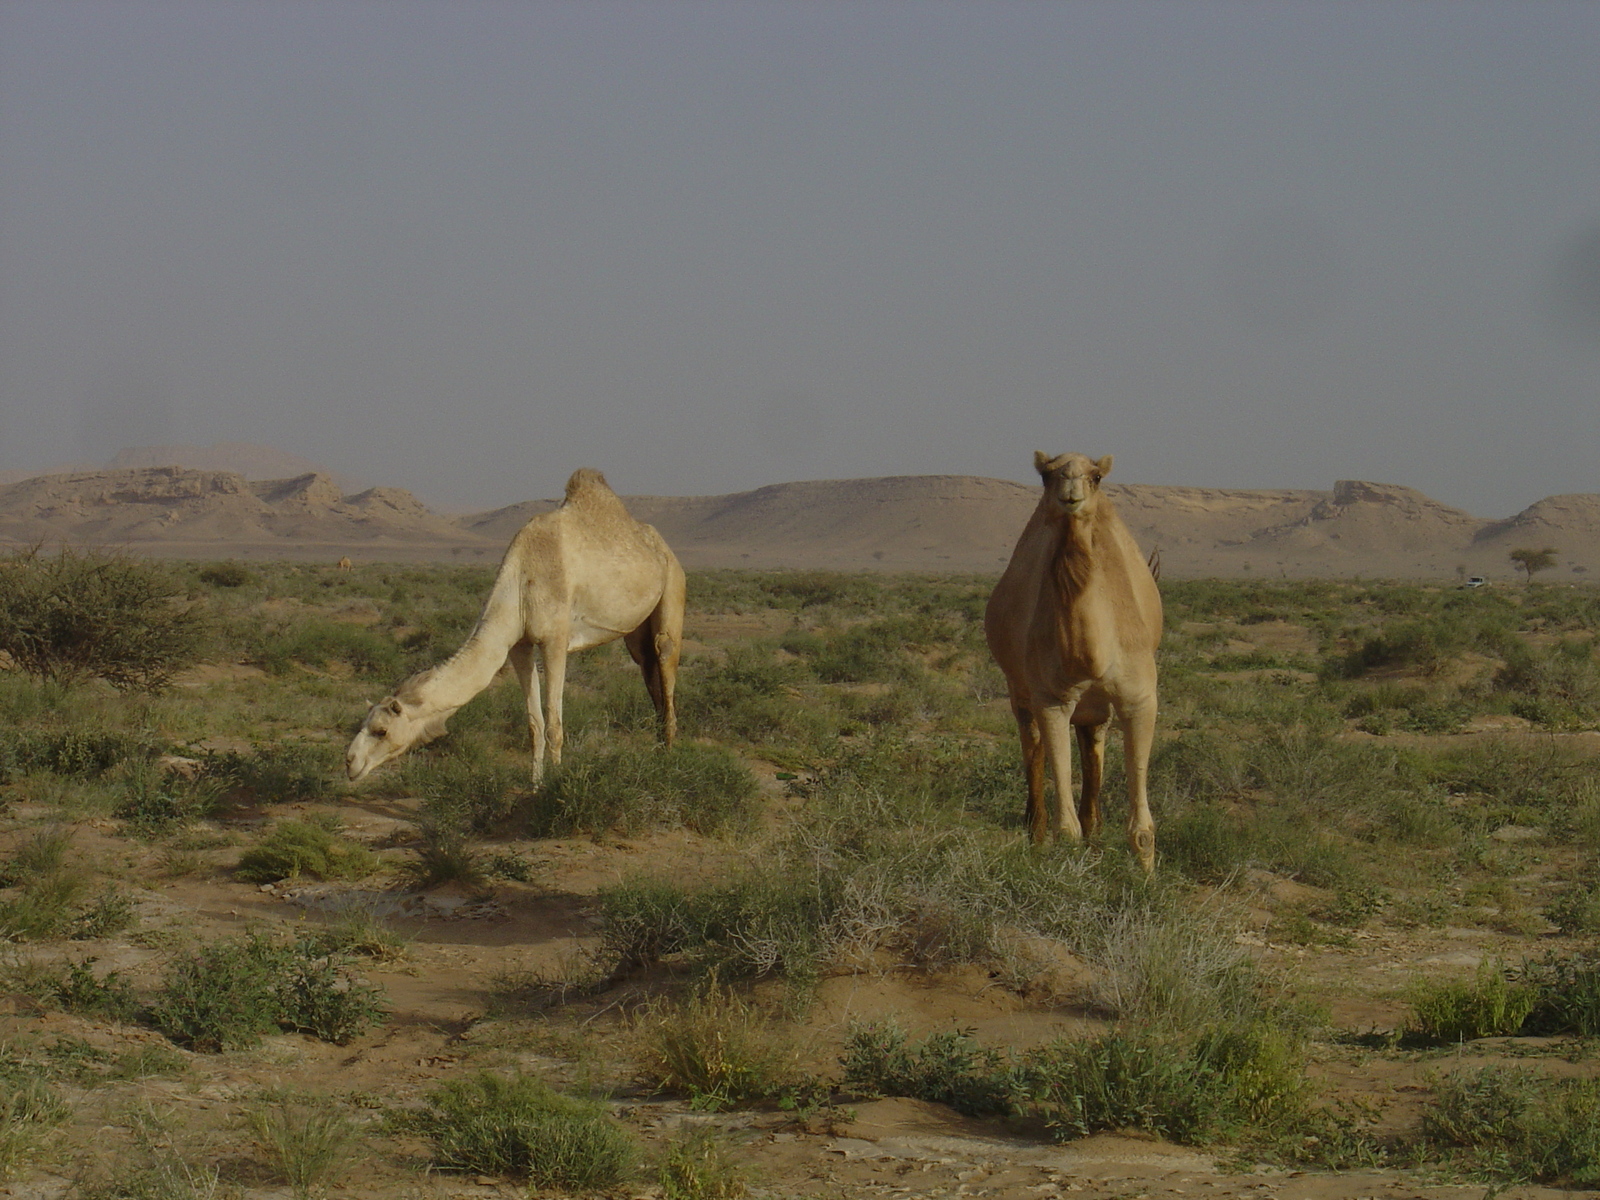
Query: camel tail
[1154,563]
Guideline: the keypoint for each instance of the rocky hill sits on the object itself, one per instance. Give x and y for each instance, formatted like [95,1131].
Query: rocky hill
[906,523]
[188,513]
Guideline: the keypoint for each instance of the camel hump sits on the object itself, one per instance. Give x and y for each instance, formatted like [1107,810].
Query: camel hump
[587,480]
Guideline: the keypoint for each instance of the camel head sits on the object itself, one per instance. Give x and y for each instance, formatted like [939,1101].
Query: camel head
[392,726]
[1072,481]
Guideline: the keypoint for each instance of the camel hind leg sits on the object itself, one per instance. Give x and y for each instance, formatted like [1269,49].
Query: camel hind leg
[1092,754]
[655,646]
[522,661]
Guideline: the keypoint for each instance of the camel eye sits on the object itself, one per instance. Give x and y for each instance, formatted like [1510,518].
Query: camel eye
[1096,480]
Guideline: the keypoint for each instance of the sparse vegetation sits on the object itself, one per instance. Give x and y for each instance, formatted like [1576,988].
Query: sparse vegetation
[1313,795]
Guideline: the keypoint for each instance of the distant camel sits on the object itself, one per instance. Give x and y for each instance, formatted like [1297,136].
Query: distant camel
[1074,623]
[344,564]
[581,575]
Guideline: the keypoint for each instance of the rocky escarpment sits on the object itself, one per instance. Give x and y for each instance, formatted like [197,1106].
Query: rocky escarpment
[910,523]
[218,508]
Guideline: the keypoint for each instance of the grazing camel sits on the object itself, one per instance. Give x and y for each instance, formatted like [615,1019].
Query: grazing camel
[1074,623]
[344,563]
[581,575]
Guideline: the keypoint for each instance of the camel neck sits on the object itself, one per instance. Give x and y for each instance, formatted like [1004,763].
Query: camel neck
[1074,561]
[473,667]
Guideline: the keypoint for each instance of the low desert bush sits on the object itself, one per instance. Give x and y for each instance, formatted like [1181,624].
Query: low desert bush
[295,848]
[1189,1086]
[79,990]
[276,774]
[1566,988]
[1513,1124]
[465,792]
[1457,1010]
[154,801]
[697,1166]
[226,575]
[324,644]
[226,996]
[78,753]
[519,1126]
[308,1141]
[361,932]
[84,614]
[634,788]
[949,1067]
[714,1046]
[29,1110]
[50,894]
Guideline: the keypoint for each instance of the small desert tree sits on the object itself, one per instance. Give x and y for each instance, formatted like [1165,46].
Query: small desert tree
[1533,561]
[80,614]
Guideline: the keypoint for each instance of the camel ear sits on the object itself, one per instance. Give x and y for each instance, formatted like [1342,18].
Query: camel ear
[1041,462]
[393,705]
[1104,466]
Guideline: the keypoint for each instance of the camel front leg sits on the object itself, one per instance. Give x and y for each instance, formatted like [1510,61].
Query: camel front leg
[555,683]
[1033,771]
[1138,735]
[1092,750]
[527,669]
[1056,724]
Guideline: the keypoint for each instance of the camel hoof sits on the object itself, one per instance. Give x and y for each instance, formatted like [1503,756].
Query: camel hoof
[1144,845]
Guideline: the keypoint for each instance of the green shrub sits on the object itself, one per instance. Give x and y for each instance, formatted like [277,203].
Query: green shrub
[276,774]
[81,614]
[1567,994]
[698,1167]
[226,575]
[80,990]
[155,802]
[631,789]
[519,1126]
[80,753]
[29,1109]
[757,924]
[50,887]
[307,1142]
[322,643]
[716,1047]
[1189,1086]
[295,848]
[950,1067]
[1124,1080]
[1516,1125]
[465,793]
[228,995]
[1488,1005]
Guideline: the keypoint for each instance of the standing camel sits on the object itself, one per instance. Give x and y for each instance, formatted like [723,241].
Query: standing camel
[1074,623]
[581,575]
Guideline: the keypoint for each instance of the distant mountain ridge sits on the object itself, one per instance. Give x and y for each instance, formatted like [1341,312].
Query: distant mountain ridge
[898,523]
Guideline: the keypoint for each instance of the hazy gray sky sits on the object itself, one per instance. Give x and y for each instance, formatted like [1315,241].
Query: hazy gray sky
[465,247]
